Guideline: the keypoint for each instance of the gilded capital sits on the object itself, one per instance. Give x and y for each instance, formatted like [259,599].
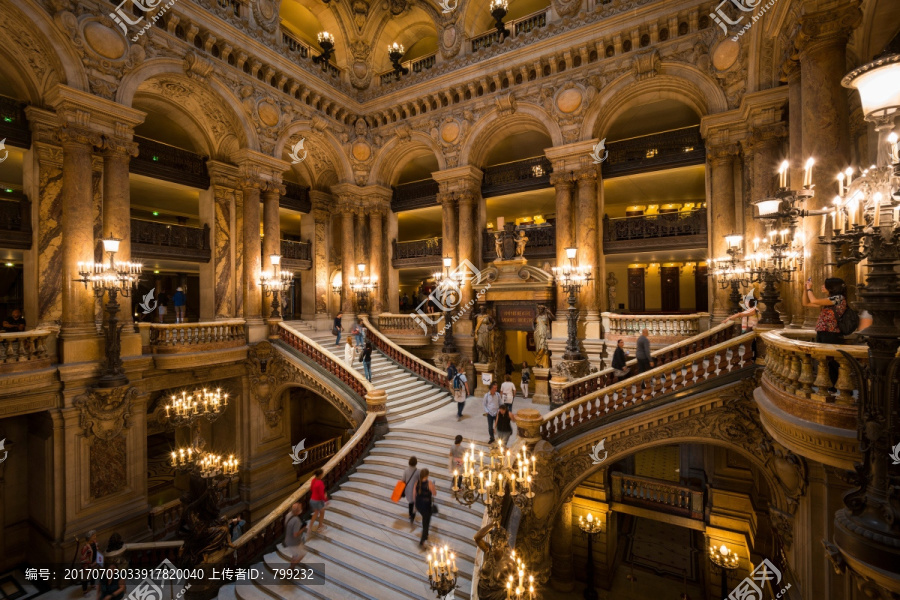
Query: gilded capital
[447,199]
[115,146]
[73,136]
[767,135]
[827,27]
[562,180]
[722,153]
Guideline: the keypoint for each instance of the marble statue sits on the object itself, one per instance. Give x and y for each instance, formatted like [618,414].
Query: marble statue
[520,243]
[484,329]
[498,246]
[611,283]
[542,337]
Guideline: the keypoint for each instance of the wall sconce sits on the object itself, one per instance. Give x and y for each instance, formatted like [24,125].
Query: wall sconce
[326,41]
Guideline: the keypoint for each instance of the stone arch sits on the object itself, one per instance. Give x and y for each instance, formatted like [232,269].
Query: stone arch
[394,155]
[484,133]
[677,82]
[324,152]
[41,57]
[209,105]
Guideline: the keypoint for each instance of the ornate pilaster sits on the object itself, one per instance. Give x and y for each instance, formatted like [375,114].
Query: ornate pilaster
[347,258]
[316,286]
[721,212]
[220,207]
[251,254]
[587,237]
[105,416]
[271,225]
[564,183]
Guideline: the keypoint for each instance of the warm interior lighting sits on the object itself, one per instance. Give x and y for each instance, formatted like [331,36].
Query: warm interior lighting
[734,240]
[878,84]
[396,48]
[275,259]
[111,245]
[325,37]
[361,267]
[447,262]
[767,207]
[571,253]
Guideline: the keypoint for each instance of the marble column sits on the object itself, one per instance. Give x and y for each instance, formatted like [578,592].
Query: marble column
[822,45]
[117,153]
[77,230]
[467,233]
[220,295]
[376,250]
[586,238]
[562,573]
[450,227]
[795,157]
[564,184]
[348,268]
[316,286]
[271,224]
[251,255]
[721,215]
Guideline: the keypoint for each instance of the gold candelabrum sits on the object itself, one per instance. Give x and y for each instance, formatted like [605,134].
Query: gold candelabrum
[205,464]
[572,277]
[187,408]
[731,271]
[726,561]
[442,571]
[516,584]
[492,480]
[363,286]
[275,282]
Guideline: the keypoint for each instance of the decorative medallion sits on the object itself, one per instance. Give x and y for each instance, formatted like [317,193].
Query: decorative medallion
[361,151]
[106,42]
[269,114]
[450,131]
[266,14]
[725,54]
[569,100]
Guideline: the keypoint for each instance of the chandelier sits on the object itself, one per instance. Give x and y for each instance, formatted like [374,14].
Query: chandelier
[275,282]
[204,464]
[442,571]
[492,482]
[731,271]
[515,585]
[572,277]
[187,408]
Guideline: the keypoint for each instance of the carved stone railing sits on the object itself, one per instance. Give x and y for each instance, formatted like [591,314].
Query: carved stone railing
[164,519]
[669,230]
[418,253]
[698,367]
[516,176]
[416,66]
[162,161]
[541,242]
[404,330]
[177,338]
[322,357]
[515,27]
[24,350]
[270,529]
[147,554]
[151,239]
[659,326]
[15,221]
[295,45]
[578,388]
[797,378]
[676,148]
[415,194]
[411,363]
[296,197]
[292,250]
[14,123]
[657,494]
[318,454]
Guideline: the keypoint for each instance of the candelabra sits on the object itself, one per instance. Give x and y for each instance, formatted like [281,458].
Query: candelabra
[515,585]
[590,527]
[442,571]
[725,560]
[498,11]
[730,271]
[572,277]
[395,53]
[448,288]
[112,278]
[363,286]
[188,408]
[866,226]
[326,42]
[493,481]
[275,282]
[204,464]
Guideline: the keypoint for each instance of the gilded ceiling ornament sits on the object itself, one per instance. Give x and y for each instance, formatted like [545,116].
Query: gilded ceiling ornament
[265,13]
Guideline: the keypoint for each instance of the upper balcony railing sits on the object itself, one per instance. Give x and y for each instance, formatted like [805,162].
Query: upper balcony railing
[518,176]
[659,326]
[418,253]
[295,251]
[415,194]
[300,49]
[676,148]
[154,240]
[15,222]
[296,197]
[13,123]
[541,242]
[24,350]
[162,161]
[324,359]
[662,231]
[407,330]
[415,66]
[657,494]
[515,27]
[178,338]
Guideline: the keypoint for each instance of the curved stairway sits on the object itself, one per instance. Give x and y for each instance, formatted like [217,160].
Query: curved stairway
[369,548]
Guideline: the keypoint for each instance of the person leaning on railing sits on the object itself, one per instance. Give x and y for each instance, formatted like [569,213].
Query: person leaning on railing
[831,309]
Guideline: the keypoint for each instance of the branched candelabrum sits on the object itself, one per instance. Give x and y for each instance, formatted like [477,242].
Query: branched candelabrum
[730,271]
[442,571]
[493,479]
[572,277]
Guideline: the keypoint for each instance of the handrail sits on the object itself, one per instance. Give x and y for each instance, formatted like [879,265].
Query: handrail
[168,338]
[635,489]
[271,527]
[577,388]
[693,369]
[408,361]
[325,359]
[657,325]
[17,347]
[385,320]
[530,21]
[146,554]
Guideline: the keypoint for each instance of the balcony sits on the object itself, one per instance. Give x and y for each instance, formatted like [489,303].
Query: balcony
[518,176]
[541,242]
[13,123]
[415,66]
[296,197]
[153,240]
[407,331]
[15,222]
[676,148]
[515,27]
[162,161]
[296,255]
[670,231]
[417,253]
[296,48]
[415,194]
[656,494]
[177,345]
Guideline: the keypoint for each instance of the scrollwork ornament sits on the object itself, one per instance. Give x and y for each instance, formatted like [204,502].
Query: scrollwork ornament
[105,413]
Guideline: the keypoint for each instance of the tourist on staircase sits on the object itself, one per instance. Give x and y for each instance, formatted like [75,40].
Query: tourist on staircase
[349,352]
[526,378]
[317,500]
[504,423]
[642,353]
[294,527]
[460,392]
[411,476]
[457,452]
[336,329]
[425,493]
[492,401]
[367,361]
[620,358]
[508,390]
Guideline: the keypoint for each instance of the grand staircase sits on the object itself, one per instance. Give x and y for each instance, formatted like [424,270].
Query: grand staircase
[369,549]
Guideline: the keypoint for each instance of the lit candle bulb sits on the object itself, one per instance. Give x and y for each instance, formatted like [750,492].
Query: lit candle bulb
[893,148]
[840,178]
[782,175]
[807,172]
[481,459]
[877,198]
[174,460]
[533,466]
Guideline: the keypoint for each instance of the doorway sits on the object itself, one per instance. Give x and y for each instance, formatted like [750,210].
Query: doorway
[701,288]
[636,290]
[671,299]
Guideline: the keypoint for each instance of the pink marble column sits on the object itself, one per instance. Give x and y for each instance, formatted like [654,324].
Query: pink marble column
[564,184]
[721,215]
[376,258]
[251,255]
[271,224]
[117,153]
[586,237]
[795,156]
[77,230]
[348,268]
[450,227]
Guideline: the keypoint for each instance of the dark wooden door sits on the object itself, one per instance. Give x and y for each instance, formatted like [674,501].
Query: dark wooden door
[671,301]
[701,288]
[635,290]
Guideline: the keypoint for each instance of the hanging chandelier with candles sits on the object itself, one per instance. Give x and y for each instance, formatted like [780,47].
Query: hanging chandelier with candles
[491,481]
[206,465]
[516,584]
[183,410]
[443,573]
[731,271]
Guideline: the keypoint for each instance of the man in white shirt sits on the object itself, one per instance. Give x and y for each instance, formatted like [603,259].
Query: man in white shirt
[492,401]
[460,392]
[508,389]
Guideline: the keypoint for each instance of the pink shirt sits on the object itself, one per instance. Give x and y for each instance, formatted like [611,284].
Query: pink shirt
[317,490]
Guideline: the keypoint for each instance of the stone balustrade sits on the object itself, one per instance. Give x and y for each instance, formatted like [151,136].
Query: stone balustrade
[797,377]
[697,367]
[565,392]
[176,338]
[411,363]
[323,358]
[164,519]
[657,494]
[318,454]
[406,330]
[665,326]
[24,350]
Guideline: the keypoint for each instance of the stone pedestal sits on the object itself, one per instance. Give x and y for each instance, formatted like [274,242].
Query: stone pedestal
[541,386]
[480,368]
[556,384]
[376,401]
[528,426]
